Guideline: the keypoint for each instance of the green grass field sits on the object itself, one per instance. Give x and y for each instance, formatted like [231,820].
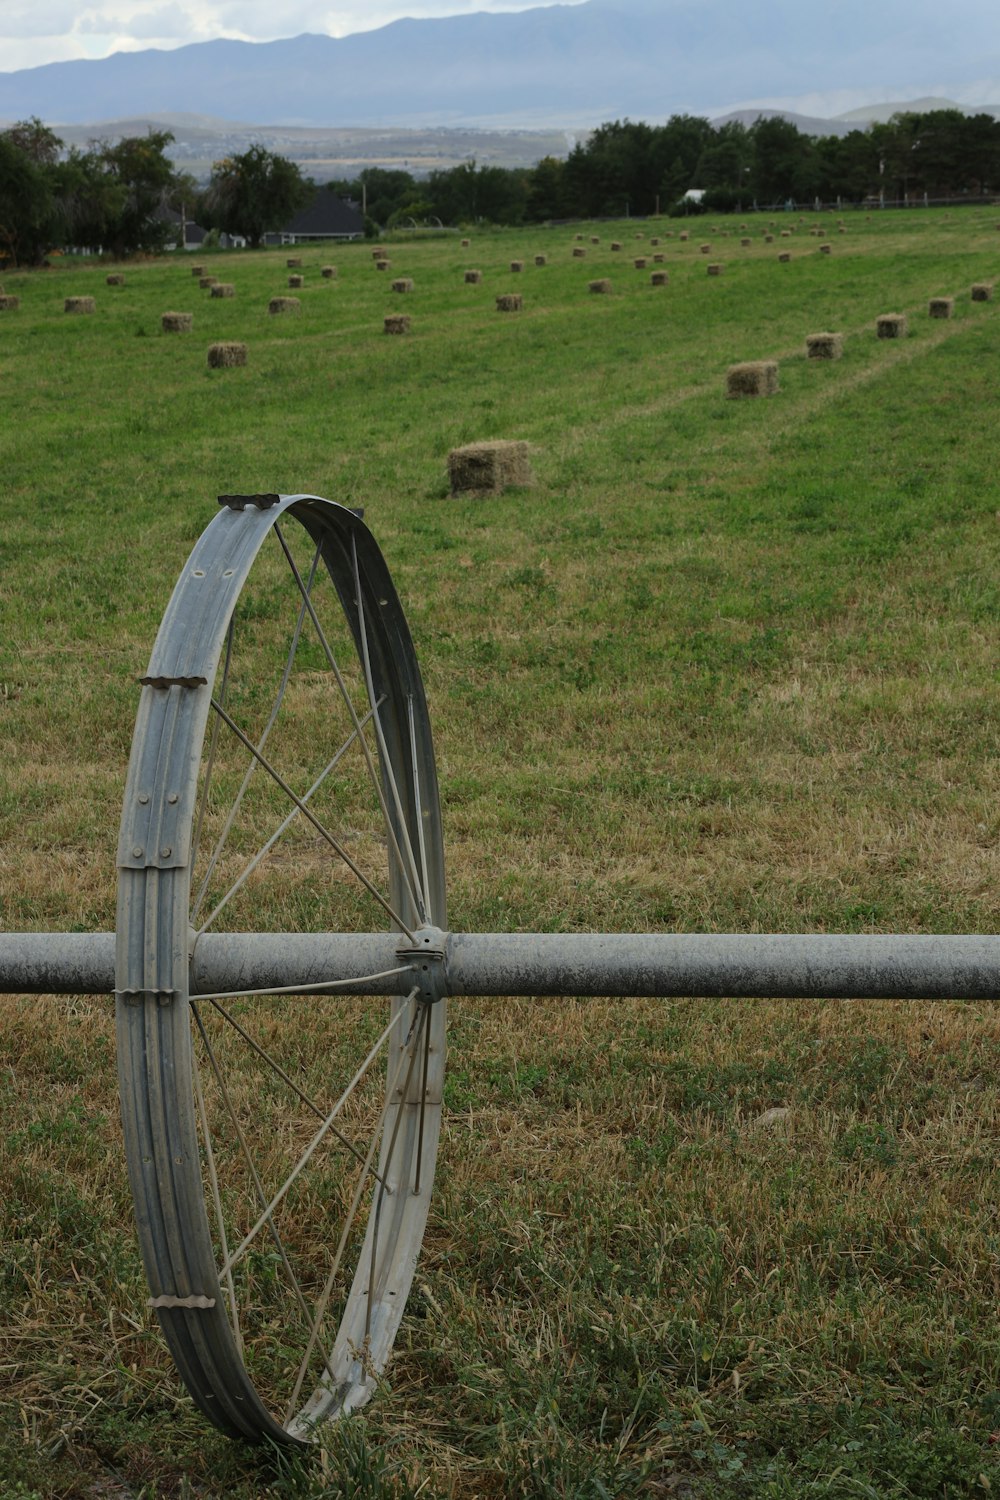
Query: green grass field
[727,665]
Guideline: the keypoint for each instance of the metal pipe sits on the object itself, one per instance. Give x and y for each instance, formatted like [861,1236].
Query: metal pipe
[796,966]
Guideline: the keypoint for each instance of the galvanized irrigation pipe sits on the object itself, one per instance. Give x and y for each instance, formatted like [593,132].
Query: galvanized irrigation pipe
[734,965]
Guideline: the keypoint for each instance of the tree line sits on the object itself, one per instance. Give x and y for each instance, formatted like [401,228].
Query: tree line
[126,197]
[628,167]
[118,196]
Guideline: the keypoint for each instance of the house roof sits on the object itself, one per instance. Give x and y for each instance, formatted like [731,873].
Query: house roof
[325,215]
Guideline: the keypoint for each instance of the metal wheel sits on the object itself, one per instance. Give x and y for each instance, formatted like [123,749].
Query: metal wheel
[280,1148]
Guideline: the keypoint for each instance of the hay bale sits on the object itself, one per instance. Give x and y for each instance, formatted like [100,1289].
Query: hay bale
[197,270]
[826,249]
[509,302]
[8,302]
[704,249]
[941,307]
[540,260]
[79,305]
[578,236]
[296,282]
[402,284]
[640,263]
[488,468]
[824,345]
[396,323]
[714,269]
[517,265]
[226,356]
[758,377]
[841,230]
[891,326]
[595,239]
[465,244]
[379,253]
[746,243]
[175,322]
[284,305]
[982,291]
[655,240]
[785,256]
[329,273]
[659,258]
[684,235]
[382,265]
[786,234]
[659,278]
[578,252]
[115,279]
[769,239]
[293,261]
[639,235]
[207,282]
[600,287]
[616,244]
[473,276]
[222,289]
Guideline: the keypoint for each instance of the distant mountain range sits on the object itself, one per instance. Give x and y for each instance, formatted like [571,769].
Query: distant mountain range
[557,66]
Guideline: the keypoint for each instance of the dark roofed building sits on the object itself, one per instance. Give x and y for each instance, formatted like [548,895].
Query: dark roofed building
[327,217]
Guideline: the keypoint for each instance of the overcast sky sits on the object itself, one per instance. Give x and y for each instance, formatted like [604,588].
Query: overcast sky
[42,31]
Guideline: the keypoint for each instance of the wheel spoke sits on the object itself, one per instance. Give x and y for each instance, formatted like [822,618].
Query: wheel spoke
[286,1078]
[418,810]
[412,1043]
[416,886]
[324,1298]
[376,780]
[279,1243]
[282,828]
[275,710]
[306,812]
[318,1138]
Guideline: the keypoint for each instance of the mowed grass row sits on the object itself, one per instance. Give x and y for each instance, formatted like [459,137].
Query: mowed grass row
[726,665]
